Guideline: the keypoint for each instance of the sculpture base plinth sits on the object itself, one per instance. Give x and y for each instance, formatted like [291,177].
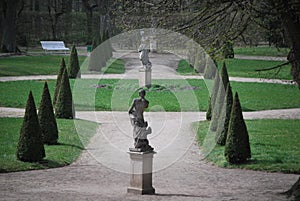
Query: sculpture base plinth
[141,173]
[145,78]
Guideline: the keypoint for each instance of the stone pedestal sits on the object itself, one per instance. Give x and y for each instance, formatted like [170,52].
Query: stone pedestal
[141,173]
[145,77]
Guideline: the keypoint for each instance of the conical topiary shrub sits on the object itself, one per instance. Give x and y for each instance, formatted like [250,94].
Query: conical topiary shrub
[210,71]
[237,148]
[217,107]
[213,97]
[96,60]
[74,68]
[224,75]
[58,80]
[222,129]
[47,119]
[108,46]
[64,104]
[219,101]
[30,146]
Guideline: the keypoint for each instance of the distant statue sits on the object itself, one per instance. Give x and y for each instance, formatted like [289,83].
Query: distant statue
[144,50]
[140,126]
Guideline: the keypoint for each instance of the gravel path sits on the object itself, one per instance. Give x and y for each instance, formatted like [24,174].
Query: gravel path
[180,173]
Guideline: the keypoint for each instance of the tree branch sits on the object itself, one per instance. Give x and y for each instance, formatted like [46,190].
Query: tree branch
[277,66]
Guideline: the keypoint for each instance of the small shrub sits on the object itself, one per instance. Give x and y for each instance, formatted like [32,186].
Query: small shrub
[224,75]
[74,68]
[96,60]
[30,146]
[237,148]
[210,71]
[212,98]
[47,119]
[222,129]
[217,108]
[58,80]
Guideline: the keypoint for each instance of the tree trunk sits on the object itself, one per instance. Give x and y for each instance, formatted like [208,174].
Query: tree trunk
[89,19]
[9,17]
[102,17]
[292,28]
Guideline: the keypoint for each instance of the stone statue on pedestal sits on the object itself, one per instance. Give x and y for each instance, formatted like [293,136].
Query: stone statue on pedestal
[140,126]
[144,50]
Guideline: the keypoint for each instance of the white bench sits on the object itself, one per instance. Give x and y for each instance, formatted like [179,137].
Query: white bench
[54,46]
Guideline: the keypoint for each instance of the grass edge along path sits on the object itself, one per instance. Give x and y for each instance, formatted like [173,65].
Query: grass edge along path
[274,145]
[69,147]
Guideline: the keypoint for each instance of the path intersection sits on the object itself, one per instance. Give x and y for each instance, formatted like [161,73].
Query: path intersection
[180,172]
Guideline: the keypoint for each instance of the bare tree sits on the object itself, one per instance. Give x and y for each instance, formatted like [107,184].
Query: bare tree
[56,8]
[213,23]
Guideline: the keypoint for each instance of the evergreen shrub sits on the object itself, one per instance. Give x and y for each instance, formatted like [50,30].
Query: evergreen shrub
[30,146]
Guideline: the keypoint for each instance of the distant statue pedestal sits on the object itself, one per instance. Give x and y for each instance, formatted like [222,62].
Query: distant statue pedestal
[145,78]
[141,172]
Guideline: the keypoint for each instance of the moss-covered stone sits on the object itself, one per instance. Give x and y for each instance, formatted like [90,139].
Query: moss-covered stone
[237,148]
[64,104]
[30,146]
[74,68]
[47,119]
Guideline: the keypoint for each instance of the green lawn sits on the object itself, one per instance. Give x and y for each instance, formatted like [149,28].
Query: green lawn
[167,95]
[246,68]
[49,65]
[68,150]
[114,66]
[274,146]
[261,51]
[184,68]
[32,65]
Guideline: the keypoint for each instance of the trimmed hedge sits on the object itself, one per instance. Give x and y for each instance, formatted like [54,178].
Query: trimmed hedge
[30,146]
[74,68]
[47,119]
[58,80]
[237,148]
[222,129]
[213,96]
[64,104]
